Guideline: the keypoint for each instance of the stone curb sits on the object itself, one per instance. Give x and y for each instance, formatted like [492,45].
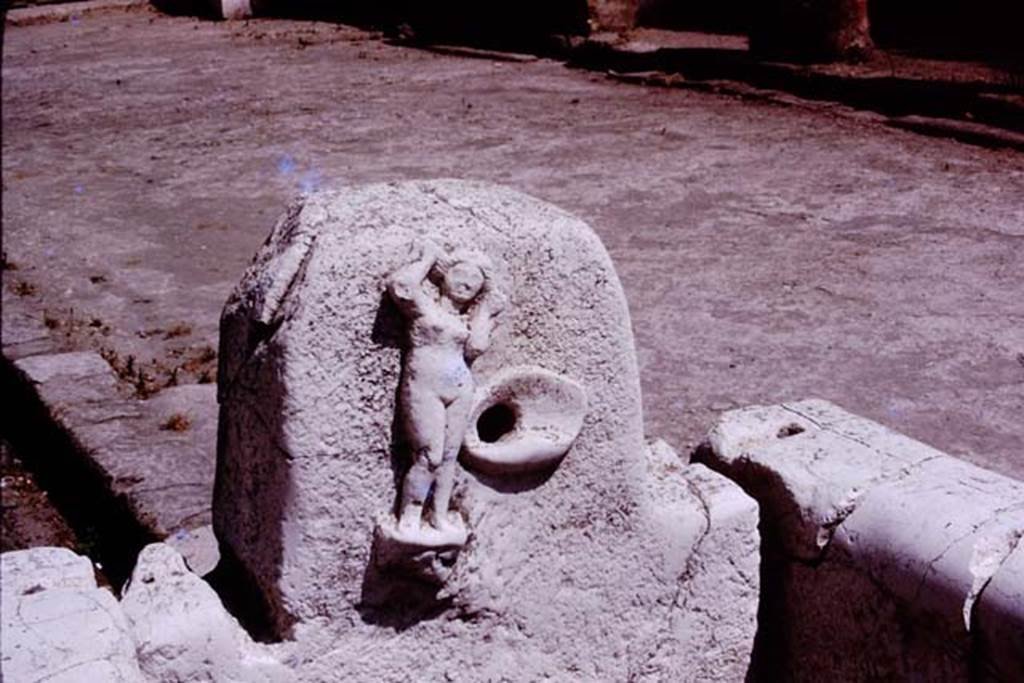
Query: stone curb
[159,468]
[124,470]
[940,109]
[877,544]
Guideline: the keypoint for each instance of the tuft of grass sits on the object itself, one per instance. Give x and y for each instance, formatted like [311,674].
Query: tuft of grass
[23,288]
[178,422]
[178,330]
[207,354]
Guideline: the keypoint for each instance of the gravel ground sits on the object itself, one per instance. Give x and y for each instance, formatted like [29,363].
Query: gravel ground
[768,252]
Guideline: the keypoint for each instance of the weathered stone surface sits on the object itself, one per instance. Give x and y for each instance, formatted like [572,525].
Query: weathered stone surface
[165,474]
[775,452]
[24,331]
[880,547]
[310,362]
[714,614]
[34,569]
[1000,619]
[57,625]
[182,631]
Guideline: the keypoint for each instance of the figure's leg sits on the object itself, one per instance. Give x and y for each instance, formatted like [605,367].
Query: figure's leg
[457,416]
[424,417]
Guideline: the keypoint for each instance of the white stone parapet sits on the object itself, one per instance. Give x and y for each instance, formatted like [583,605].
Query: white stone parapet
[885,558]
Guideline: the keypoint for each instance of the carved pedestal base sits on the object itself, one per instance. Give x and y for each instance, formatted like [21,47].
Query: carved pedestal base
[425,552]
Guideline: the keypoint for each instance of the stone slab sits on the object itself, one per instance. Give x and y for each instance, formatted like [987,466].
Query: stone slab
[719,590]
[182,631]
[157,454]
[57,625]
[809,464]
[876,544]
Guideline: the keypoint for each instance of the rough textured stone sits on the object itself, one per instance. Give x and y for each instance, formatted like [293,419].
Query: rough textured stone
[27,571]
[714,619]
[758,446]
[182,631]
[57,625]
[310,362]
[878,548]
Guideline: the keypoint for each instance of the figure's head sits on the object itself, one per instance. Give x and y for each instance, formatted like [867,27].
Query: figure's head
[462,282]
[463,276]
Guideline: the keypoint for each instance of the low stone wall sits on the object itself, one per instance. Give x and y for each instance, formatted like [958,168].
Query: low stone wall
[883,558]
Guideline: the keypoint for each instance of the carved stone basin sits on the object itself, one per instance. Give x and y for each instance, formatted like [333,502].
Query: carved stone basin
[524,419]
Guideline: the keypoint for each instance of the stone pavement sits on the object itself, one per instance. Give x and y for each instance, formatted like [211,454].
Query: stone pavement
[769,251]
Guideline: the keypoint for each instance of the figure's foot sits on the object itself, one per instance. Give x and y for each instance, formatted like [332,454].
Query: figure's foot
[409,525]
[449,522]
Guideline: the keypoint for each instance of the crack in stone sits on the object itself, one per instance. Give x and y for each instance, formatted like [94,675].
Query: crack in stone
[432,191]
[983,576]
[690,569]
[828,528]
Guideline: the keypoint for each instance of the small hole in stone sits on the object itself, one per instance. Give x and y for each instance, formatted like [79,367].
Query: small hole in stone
[790,430]
[495,422]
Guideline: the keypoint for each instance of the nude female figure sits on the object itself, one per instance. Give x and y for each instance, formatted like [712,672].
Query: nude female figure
[450,304]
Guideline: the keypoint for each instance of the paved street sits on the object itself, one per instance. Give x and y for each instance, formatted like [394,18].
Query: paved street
[768,252]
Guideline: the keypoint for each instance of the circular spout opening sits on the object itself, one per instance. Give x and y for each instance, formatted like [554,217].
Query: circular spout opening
[495,422]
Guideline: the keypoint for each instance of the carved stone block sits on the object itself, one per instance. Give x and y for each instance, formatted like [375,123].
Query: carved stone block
[553,555]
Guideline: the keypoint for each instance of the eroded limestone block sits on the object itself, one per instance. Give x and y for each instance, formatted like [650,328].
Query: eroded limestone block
[775,453]
[182,631]
[714,614]
[566,570]
[881,547]
[30,571]
[57,625]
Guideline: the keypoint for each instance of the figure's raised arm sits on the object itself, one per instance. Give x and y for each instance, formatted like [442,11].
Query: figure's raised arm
[481,325]
[405,285]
